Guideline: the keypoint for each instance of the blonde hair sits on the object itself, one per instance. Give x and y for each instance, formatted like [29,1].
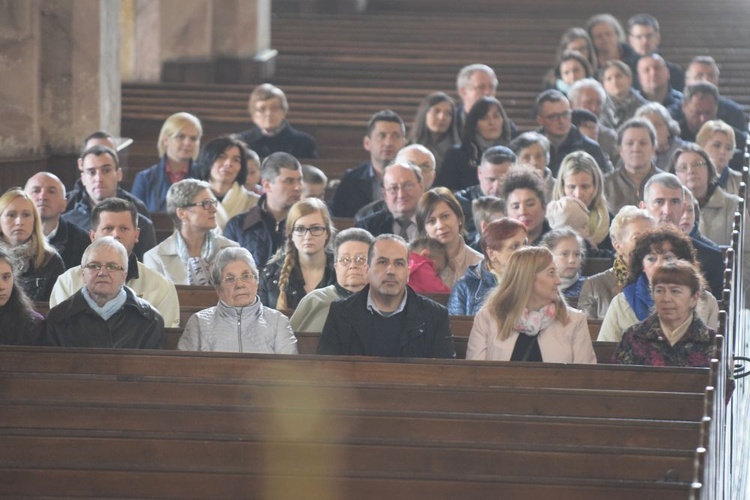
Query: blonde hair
[44,251]
[712,127]
[291,258]
[174,124]
[577,162]
[508,301]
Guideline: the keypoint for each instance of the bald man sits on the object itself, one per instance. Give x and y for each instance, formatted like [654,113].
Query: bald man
[48,193]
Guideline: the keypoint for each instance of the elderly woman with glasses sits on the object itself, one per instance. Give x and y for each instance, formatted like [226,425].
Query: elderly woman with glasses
[185,257]
[239,322]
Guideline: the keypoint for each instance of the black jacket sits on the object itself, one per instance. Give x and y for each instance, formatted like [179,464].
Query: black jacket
[289,140]
[268,291]
[258,232]
[70,241]
[38,283]
[349,328]
[576,141]
[377,223]
[137,325]
[354,192]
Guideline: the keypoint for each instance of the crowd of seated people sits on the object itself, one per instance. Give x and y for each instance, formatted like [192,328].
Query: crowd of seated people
[633,164]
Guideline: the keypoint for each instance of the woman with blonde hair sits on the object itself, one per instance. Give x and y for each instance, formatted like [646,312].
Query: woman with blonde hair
[178,145]
[35,262]
[306,263]
[526,317]
[581,178]
[717,138]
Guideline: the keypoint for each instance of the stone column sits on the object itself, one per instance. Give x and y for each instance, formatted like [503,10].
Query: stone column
[59,77]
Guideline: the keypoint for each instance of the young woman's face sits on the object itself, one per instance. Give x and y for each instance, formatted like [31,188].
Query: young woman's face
[616,83]
[579,45]
[227,166]
[443,224]
[571,71]
[303,237]
[490,126]
[439,117]
[17,221]
[6,282]
[545,289]
[580,186]
[720,149]
[687,221]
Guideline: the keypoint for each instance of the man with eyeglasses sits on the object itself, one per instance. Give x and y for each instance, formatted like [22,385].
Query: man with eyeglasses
[105,313]
[553,114]
[644,36]
[118,219]
[100,176]
[261,229]
[350,248]
[402,187]
[387,318]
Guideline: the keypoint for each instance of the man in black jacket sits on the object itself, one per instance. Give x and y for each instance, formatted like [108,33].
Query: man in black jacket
[387,318]
[105,313]
[48,193]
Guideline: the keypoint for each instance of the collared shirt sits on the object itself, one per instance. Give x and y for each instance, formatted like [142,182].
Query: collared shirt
[411,229]
[175,177]
[373,308]
[674,336]
[53,233]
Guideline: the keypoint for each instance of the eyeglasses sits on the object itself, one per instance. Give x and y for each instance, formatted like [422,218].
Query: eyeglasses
[206,204]
[233,280]
[565,115]
[684,167]
[406,188]
[110,267]
[358,260]
[301,231]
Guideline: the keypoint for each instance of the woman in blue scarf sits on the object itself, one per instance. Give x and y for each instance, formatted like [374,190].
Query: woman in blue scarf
[652,249]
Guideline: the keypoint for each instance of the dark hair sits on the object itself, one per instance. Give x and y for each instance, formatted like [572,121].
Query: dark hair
[427,204]
[17,319]
[498,155]
[212,151]
[113,205]
[551,95]
[636,123]
[431,244]
[527,139]
[643,20]
[99,150]
[678,272]
[616,63]
[274,162]
[419,133]
[653,240]
[478,111]
[385,116]
[700,88]
[523,178]
[573,55]
[578,116]
[99,134]
[497,232]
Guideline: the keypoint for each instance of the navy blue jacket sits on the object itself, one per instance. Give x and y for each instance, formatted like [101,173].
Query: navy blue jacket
[378,223]
[287,140]
[576,141]
[151,186]
[470,291]
[257,231]
[354,191]
[70,241]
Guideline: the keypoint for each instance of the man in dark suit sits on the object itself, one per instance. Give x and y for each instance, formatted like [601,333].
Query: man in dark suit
[386,135]
[402,185]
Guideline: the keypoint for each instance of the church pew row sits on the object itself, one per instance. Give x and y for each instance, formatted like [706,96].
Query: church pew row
[167,384]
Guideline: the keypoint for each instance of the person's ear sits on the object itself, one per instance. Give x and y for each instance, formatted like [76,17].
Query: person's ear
[119,175]
[366,143]
[92,234]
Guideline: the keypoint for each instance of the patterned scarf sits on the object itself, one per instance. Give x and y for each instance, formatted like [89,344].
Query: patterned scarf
[533,322]
[621,271]
[21,255]
[198,268]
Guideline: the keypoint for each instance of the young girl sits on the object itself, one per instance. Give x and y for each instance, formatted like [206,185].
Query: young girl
[622,100]
[427,259]
[568,252]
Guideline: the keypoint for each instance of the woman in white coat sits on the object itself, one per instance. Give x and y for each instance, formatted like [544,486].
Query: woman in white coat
[527,319]
[185,257]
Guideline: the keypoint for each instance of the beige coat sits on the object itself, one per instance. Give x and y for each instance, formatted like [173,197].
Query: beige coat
[717,217]
[163,259]
[559,343]
[237,200]
[596,294]
[620,190]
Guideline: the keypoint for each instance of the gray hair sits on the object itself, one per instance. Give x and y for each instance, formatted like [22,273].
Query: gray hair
[389,237]
[408,166]
[351,234]
[669,181]
[106,242]
[416,147]
[575,90]
[655,108]
[462,80]
[227,256]
[273,163]
[181,194]
[625,216]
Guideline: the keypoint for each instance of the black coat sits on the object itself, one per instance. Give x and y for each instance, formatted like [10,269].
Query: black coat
[258,232]
[38,283]
[377,223]
[137,325]
[268,291]
[289,140]
[70,241]
[354,192]
[426,334]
